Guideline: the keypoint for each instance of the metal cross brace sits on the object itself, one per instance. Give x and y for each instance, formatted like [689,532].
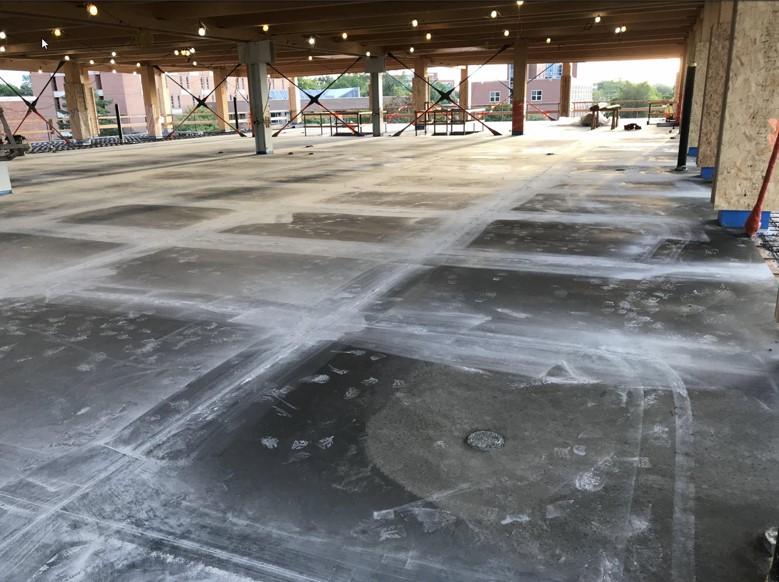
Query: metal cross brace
[314,99]
[447,95]
[202,102]
[31,105]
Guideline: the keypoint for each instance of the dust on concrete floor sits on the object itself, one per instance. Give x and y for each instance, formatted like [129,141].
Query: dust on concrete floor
[223,367]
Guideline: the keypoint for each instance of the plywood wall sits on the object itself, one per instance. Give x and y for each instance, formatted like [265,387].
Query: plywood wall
[751,108]
[701,58]
[714,90]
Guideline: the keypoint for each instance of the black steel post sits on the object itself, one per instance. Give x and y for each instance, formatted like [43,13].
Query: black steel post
[118,122]
[235,112]
[684,128]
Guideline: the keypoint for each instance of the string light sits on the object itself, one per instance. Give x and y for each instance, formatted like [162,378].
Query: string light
[494,14]
[113,71]
[67,57]
[92,9]
[520,2]
[548,40]
[310,58]
[113,53]
[311,40]
[597,19]
[194,63]
[57,32]
[176,52]
[623,29]
[137,66]
[112,61]
[414,23]
[201,30]
[344,35]
[428,36]
[617,30]
[506,32]
[40,71]
[135,72]
[367,53]
[192,50]
[265,28]
[3,36]
[2,48]
[91,61]
[411,49]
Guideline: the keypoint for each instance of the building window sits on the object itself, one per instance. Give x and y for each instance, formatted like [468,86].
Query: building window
[494,96]
[205,82]
[536,95]
[554,71]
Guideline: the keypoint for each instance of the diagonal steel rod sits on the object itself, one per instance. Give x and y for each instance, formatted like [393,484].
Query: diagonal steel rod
[202,102]
[313,99]
[447,95]
[31,105]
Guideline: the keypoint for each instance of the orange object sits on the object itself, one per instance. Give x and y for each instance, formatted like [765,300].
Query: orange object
[753,222]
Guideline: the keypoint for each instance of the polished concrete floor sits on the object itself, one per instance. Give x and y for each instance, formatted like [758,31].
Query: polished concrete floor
[217,366]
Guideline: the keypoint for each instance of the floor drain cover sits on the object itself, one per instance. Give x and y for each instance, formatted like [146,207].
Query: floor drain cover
[485,440]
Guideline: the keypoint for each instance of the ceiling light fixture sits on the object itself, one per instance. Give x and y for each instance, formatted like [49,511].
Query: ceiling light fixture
[201,30]
[520,2]
[623,29]
[617,30]
[91,61]
[506,32]
[411,49]
[113,53]
[194,63]
[138,65]
[414,23]
[310,58]
[428,36]
[176,52]
[494,14]
[67,57]
[597,19]
[344,35]
[92,9]
[311,40]
[265,28]
[367,53]
[192,50]
[113,71]
[2,48]
[548,40]
[57,32]
[112,61]
[3,36]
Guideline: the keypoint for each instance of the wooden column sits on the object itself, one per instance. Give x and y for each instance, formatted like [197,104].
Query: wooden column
[220,94]
[750,109]
[418,86]
[80,99]
[151,80]
[565,91]
[294,99]
[714,91]
[465,88]
[518,105]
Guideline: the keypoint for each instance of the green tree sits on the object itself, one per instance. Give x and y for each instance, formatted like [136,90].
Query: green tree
[106,115]
[201,120]
[26,86]
[6,91]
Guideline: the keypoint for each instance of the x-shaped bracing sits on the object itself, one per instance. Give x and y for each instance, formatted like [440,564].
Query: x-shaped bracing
[314,99]
[201,102]
[32,105]
[444,96]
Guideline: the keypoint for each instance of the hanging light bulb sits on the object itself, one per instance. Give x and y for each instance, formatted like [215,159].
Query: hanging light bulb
[192,50]
[135,72]
[201,30]
[623,29]
[40,71]
[506,32]
[265,28]
[92,9]
[428,36]
[617,30]
[112,61]
[367,53]
[548,40]
[176,52]
[194,63]
[67,57]
[411,49]
[344,35]
[3,36]
[310,58]
[2,48]
[113,53]
[494,14]
[91,61]
[520,2]
[597,19]
[137,65]
[57,32]
[415,23]
[113,71]
[311,40]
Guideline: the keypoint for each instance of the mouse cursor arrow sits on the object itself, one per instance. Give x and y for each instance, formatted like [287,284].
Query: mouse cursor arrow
[44,44]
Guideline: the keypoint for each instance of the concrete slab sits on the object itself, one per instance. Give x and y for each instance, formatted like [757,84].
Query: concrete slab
[265,393]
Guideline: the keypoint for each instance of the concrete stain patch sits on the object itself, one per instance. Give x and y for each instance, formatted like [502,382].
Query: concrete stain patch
[147,215]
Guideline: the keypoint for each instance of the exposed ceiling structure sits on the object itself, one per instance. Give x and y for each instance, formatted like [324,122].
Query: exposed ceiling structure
[447,33]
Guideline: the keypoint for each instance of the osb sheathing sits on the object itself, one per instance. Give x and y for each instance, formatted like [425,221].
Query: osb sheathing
[751,108]
[701,58]
[716,71]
